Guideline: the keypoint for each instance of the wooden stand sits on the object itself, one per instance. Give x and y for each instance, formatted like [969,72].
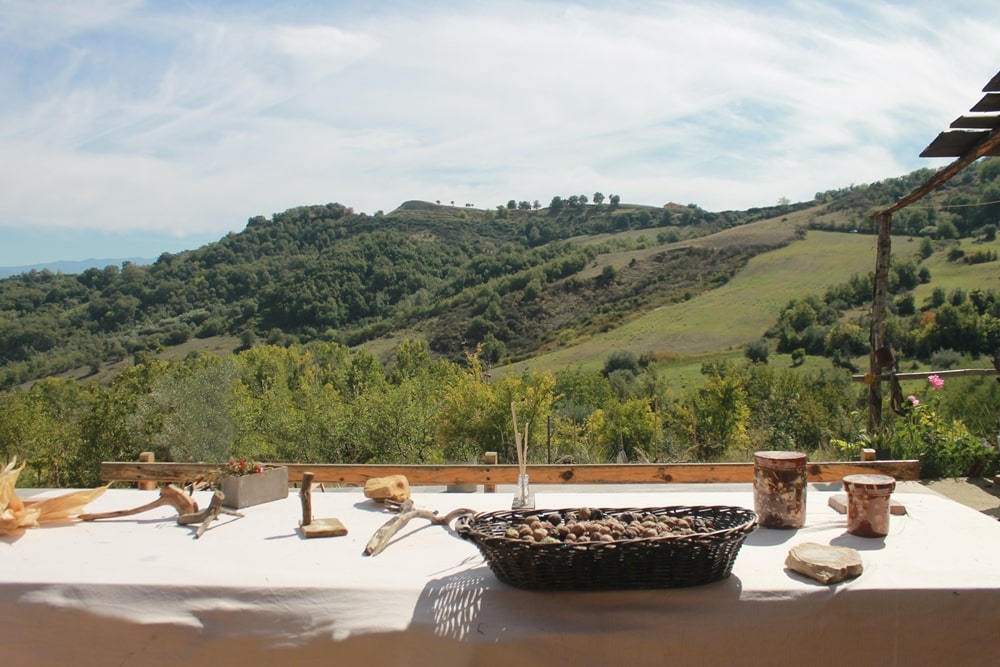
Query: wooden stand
[316,527]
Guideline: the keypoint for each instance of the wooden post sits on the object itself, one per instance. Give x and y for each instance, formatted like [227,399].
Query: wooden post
[548,439]
[880,299]
[147,457]
[305,496]
[490,459]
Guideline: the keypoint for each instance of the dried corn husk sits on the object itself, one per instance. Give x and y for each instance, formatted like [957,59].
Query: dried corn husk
[16,514]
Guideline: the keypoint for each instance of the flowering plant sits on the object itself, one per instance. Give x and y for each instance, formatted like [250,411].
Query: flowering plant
[242,467]
[944,447]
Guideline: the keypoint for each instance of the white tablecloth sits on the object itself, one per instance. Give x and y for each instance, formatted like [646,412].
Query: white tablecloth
[142,591]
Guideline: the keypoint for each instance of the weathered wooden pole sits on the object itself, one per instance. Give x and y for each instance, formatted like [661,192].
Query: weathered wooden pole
[147,457]
[883,256]
[988,145]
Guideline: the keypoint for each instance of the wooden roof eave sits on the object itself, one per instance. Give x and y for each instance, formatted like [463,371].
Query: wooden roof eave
[987,144]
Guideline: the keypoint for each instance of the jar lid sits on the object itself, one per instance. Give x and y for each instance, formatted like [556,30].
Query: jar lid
[870,482]
[779,459]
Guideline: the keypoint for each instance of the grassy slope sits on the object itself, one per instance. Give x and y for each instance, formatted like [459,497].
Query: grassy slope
[732,315]
[717,324]
[950,275]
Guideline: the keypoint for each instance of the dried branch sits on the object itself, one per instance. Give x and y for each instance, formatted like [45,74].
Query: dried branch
[169,495]
[207,515]
[380,540]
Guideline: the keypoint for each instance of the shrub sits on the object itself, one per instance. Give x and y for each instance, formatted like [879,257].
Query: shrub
[621,360]
[757,351]
[944,360]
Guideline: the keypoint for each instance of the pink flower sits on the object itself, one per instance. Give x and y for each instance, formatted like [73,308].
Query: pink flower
[913,400]
[935,381]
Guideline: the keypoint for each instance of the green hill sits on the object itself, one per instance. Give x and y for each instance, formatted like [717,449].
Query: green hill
[733,314]
[545,286]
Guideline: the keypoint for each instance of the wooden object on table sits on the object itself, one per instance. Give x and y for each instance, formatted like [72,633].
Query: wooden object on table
[169,495]
[392,487]
[207,515]
[254,488]
[524,499]
[839,503]
[824,563]
[406,511]
[316,527]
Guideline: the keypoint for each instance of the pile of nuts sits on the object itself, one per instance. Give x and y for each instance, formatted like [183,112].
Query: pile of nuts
[593,525]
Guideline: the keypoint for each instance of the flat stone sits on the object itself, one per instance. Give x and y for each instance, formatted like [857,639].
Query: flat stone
[826,564]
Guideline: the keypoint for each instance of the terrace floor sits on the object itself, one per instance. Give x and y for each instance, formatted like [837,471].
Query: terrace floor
[979,493]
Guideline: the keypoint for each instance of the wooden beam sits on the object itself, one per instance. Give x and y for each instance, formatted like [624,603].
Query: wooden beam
[428,475]
[984,147]
[990,102]
[959,372]
[994,84]
[880,299]
[976,122]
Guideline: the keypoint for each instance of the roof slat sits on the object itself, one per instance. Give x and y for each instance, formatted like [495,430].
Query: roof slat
[953,144]
[994,85]
[976,123]
[990,102]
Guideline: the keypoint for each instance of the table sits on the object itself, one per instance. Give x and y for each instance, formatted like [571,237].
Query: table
[142,591]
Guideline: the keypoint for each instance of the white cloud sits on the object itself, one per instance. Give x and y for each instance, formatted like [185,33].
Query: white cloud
[148,117]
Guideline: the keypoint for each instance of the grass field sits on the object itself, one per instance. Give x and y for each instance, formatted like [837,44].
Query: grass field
[951,275]
[723,320]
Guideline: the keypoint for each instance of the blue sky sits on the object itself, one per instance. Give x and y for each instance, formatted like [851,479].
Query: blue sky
[129,128]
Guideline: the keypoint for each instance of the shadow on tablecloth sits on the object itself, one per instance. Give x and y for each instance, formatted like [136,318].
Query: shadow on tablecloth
[473,605]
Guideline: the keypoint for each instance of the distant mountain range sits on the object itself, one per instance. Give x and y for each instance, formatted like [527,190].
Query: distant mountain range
[68,266]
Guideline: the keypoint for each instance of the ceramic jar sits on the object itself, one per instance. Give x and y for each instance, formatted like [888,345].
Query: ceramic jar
[868,504]
[779,489]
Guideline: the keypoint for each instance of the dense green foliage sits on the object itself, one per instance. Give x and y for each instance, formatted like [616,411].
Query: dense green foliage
[323,403]
[968,323]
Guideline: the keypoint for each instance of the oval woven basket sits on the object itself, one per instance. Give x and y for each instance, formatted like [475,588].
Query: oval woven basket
[668,561]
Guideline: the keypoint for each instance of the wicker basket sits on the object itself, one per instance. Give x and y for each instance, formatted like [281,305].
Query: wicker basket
[656,562]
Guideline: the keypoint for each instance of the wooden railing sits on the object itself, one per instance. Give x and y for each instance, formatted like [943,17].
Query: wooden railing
[491,475]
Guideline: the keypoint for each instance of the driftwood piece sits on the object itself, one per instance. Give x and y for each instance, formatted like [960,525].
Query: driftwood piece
[391,487]
[171,495]
[380,540]
[207,515]
[305,495]
[316,527]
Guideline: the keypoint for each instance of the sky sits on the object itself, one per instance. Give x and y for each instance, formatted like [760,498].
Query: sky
[130,128]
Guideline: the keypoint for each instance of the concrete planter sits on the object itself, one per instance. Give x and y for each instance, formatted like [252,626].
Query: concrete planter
[246,490]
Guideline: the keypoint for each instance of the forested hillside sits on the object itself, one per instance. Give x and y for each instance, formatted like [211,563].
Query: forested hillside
[459,276]
[517,279]
[371,338]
